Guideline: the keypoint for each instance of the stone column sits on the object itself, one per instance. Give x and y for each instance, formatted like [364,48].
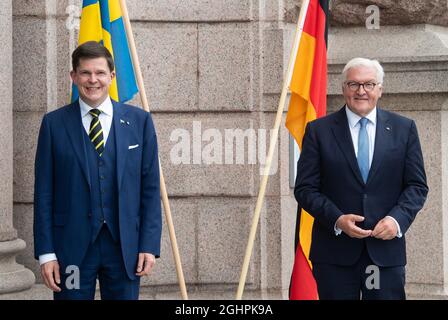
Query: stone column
[13,277]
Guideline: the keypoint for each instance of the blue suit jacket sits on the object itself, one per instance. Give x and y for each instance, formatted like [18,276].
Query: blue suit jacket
[329,184]
[62,204]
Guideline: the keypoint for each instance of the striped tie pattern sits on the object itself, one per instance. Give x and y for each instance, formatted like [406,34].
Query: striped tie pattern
[96,131]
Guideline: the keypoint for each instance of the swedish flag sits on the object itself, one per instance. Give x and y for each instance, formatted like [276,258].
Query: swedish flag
[101,21]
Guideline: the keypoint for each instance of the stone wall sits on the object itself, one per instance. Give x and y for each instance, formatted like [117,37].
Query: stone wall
[393,12]
[208,65]
[212,66]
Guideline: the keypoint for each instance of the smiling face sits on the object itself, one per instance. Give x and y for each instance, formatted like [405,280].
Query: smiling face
[361,101]
[93,79]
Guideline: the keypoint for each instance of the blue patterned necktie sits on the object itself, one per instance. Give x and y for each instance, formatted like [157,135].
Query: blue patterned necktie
[363,149]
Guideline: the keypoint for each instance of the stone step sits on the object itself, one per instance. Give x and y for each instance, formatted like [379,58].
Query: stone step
[40,292]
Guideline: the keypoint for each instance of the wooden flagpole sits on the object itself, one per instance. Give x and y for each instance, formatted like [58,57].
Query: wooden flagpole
[272,144]
[163,191]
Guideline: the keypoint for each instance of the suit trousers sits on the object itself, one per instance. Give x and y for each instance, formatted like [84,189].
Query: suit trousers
[363,280]
[103,261]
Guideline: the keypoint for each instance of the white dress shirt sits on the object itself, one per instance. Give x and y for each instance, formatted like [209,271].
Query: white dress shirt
[355,125]
[105,116]
[106,123]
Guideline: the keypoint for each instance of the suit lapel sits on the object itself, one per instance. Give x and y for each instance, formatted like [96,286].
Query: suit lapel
[343,137]
[382,140]
[74,128]
[122,127]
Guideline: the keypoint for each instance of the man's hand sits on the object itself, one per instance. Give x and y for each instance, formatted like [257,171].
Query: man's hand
[145,263]
[346,223]
[385,229]
[50,274]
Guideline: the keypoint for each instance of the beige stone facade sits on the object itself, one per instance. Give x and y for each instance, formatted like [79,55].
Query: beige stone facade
[211,67]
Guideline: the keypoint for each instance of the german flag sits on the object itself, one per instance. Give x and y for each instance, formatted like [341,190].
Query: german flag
[308,101]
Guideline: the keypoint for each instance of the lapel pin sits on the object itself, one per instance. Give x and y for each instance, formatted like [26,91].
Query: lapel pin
[388,128]
[127,122]
[121,121]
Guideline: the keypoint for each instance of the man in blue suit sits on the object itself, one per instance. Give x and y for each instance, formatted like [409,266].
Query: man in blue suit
[361,176]
[97,211]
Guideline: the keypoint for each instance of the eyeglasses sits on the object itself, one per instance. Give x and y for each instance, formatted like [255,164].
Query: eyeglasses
[354,86]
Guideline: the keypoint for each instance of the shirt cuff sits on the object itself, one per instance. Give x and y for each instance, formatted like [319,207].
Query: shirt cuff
[399,234]
[337,231]
[44,258]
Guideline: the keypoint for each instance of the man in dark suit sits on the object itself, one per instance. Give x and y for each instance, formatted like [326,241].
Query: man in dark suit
[97,207]
[361,176]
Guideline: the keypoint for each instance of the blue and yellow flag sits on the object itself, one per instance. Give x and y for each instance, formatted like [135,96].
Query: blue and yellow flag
[101,21]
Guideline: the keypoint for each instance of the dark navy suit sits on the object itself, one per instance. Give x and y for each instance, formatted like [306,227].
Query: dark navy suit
[329,184]
[98,211]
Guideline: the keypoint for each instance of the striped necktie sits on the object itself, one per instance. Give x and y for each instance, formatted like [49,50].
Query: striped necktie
[96,132]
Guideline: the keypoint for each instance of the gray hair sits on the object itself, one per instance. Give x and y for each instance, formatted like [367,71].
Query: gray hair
[363,62]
